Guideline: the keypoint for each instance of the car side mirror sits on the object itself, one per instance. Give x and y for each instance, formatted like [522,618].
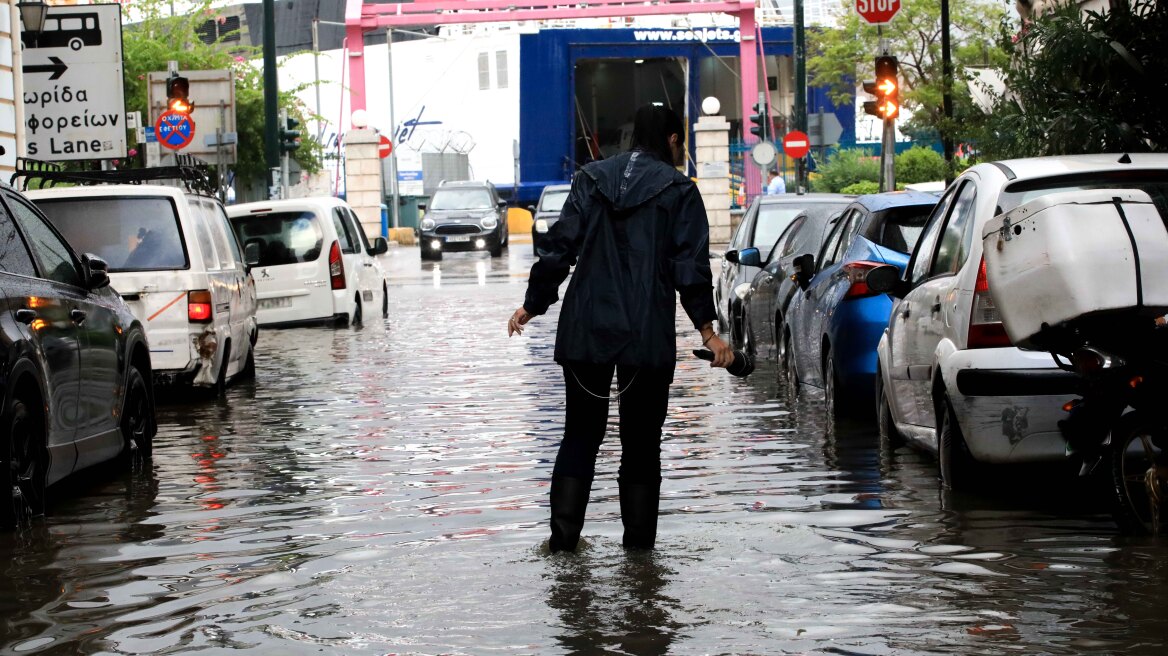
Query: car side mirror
[531,208]
[380,246]
[421,207]
[883,279]
[251,253]
[502,204]
[731,257]
[804,267]
[750,257]
[96,272]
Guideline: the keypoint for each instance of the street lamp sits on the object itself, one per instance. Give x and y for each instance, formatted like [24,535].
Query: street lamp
[32,14]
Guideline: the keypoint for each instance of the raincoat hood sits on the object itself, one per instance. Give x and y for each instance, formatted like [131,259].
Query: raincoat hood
[632,179]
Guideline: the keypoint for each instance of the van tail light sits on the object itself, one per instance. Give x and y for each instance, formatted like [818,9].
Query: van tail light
[857,275]
[336,267]
[985,322]
[199,306]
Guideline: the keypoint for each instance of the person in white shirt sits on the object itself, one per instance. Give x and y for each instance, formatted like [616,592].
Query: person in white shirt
[775,183]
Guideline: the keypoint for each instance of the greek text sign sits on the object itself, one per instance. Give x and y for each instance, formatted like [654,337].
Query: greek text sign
[74,103]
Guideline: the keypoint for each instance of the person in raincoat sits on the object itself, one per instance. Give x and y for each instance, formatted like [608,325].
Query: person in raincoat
[635,228]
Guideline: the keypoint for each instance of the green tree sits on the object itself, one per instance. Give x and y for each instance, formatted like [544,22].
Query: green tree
[846,167]
[159,37]
[1083,83]
[919,164]
[839,57]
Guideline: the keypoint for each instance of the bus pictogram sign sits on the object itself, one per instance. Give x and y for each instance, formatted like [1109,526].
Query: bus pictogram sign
[174,130]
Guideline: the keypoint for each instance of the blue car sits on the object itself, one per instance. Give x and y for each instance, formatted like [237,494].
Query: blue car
[835,320]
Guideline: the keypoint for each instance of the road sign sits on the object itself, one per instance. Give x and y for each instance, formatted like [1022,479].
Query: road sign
[74,103]
[174,129]
[763,153]
[824,129]
[384,147]
[213,93]
[796,144]
[877,12]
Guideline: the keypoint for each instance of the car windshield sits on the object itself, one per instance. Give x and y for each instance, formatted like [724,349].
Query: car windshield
[1154,183]
[461,199]
[773,219]
[282,237]
[553,201]
[131,234]
[902,226]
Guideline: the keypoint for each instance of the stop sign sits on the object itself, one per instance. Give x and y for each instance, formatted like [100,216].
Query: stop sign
[796,144]
[384,147]
[877,12]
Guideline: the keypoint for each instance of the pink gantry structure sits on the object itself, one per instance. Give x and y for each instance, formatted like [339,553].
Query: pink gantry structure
[361,18]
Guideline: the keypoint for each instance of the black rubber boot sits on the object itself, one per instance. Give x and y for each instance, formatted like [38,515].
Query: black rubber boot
[569,501]
[638,504]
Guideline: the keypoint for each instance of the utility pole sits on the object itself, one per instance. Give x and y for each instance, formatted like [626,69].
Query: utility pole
[800,92]
[946,92]
[316,70]
[271,99]
[394,204]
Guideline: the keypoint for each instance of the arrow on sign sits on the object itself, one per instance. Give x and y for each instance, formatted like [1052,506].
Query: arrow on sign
[57,68]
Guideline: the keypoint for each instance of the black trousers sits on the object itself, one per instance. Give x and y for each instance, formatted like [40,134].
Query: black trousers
[643,406]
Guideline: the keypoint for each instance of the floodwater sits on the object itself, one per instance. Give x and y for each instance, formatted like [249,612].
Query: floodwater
[384,490]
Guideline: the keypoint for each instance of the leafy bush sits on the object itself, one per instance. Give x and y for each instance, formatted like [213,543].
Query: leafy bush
[846,167]
[919,164]
[861,188]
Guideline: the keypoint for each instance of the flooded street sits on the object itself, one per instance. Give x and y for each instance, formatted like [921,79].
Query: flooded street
[384,490]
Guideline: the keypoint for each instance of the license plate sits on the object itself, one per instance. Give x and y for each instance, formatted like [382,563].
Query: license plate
[454,238]
[274,303]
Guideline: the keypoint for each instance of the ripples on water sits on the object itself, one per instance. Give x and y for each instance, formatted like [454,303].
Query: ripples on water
[384,490]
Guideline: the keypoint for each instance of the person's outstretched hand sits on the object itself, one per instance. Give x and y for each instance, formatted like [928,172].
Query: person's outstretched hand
[518,320]
[723,354]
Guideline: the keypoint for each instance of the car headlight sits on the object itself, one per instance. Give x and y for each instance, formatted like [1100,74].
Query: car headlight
[427,224]
[742,290]
[490,221]
[541,225]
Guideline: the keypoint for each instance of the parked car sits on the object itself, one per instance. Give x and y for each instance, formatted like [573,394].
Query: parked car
[950,380]
[464,216]
[765,219]
[547,212]
[175,260]
[765,303]
[76,365]
[835,320]
[314,262]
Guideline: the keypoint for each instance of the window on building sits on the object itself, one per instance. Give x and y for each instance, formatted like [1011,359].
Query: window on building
[484,71]
[501,69]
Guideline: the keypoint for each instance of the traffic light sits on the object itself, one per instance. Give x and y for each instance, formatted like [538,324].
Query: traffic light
[178,89]
[759,119]
[289,135]
[887,86]
[872,107]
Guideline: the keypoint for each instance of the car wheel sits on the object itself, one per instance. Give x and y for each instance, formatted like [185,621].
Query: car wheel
[357,315]
[787,365]
[832,394]
[26,465]
[497,251]
[220,388]
[249,367]
[735,330]
[890,438]
[384,301]
[137,419]
[956,462]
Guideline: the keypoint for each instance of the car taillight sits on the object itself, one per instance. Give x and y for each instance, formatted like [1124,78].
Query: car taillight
[985,322]
[857,275]
[336,267]
[199,306]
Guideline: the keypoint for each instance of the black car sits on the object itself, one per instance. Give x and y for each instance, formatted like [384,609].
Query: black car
[764,221]
[464,216]
[76,372]
[545,214]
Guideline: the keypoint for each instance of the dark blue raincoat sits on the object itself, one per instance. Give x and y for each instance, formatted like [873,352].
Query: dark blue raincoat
[636,230]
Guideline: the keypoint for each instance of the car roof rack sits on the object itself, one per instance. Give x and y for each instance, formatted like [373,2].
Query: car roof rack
[192,172]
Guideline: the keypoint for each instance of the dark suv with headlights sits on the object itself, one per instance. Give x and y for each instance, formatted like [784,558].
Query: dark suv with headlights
[464,216]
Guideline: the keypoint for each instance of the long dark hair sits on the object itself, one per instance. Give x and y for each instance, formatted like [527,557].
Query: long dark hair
[652,126]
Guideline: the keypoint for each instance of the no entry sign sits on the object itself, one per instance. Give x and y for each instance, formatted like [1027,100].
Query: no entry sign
[384,147]
[174,130]
[877,12]
[796,144]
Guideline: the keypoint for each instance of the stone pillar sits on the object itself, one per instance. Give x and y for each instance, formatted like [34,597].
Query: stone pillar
[712,155]
[363,178]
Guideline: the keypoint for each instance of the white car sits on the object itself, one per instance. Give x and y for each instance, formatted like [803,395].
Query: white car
[315,264]
[175,261]
[949,380]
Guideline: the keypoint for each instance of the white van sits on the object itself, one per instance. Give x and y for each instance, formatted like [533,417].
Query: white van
[174,259]
[315,264]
